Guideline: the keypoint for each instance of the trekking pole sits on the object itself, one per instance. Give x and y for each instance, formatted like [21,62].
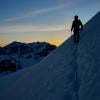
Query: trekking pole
[65,26]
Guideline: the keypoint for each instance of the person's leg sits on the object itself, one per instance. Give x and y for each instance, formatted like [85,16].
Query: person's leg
[75,36]
[78,36]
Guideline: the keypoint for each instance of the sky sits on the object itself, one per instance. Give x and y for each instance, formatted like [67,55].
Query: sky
[42,20]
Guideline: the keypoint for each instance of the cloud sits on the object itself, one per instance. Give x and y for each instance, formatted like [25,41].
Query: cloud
[36,12]
[53,34]
[30,28]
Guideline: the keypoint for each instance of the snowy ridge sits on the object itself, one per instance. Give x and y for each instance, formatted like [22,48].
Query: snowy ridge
[71,72]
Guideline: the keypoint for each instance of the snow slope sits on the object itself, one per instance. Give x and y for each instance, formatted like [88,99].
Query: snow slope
[89,60]
[51,79]
[54,78]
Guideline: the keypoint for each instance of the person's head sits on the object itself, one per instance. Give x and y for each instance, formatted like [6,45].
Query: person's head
[76,17]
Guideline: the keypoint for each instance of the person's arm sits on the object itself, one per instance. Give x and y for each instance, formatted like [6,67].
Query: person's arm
[81,25]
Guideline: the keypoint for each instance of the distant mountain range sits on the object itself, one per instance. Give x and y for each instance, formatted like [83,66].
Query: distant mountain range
[23,48]
[24,54]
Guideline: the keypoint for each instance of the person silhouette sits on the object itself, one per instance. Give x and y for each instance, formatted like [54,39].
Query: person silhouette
[76,27]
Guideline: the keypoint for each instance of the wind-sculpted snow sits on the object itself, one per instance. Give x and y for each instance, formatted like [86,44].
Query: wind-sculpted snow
[71,72]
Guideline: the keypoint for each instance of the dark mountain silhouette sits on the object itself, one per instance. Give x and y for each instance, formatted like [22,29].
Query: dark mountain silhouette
[17,55]
[22,48]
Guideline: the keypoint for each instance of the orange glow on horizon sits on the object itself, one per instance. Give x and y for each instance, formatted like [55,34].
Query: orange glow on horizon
[55,41]
[4,42]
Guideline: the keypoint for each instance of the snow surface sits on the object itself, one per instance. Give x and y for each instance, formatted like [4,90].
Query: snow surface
[89,60]
[71,72]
